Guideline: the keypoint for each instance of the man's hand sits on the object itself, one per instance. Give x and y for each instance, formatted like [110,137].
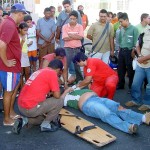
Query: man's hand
[57,41]
[44,44]
[141,60]
[10,63]
[70,89]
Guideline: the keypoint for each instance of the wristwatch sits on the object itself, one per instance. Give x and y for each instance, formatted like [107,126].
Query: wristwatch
[139,55]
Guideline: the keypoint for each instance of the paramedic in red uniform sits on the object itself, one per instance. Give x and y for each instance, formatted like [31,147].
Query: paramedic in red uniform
[102,78]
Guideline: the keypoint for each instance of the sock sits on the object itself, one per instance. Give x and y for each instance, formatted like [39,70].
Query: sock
[143,118]
[45,124]
[25,121]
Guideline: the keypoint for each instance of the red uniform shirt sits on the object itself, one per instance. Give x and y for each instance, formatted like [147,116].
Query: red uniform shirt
[9,35]
[37,87]
[98,70]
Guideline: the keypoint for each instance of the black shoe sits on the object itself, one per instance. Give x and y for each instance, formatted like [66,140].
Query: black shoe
[57,122]
[120,87]
[53,128]
[17,126]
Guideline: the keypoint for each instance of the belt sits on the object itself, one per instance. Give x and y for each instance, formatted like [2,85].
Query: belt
[125,49]
[74,48]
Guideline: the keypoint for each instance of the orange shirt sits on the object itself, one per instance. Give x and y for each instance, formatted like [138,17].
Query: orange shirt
[114,20]
[98,70]
[84,21]
[67,29]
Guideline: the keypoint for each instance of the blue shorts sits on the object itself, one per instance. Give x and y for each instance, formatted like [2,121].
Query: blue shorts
[9,80]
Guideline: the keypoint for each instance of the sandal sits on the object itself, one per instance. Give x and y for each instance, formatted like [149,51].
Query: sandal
[15,117]
[8,124]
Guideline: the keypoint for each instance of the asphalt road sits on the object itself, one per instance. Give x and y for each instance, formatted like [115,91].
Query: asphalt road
[33,139]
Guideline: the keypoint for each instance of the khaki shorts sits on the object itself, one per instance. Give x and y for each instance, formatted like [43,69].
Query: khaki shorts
[46,50]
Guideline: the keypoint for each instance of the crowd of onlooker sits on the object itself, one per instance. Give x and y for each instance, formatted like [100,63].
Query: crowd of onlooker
[119,49]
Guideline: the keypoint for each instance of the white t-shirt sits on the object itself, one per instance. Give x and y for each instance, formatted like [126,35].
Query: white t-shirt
[32,37]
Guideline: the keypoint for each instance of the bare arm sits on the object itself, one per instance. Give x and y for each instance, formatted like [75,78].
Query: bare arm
[143,59]
[75,36]
[65,73]
[51,37]
[67,39]
[41,36]
[58,32]
[138,49]
[85,82]
[56,94]
[45,63]
[66,92]
[8,63]
[111,46]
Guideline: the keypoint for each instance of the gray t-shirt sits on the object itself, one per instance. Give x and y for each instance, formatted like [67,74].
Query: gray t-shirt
[63,19]
[46,27]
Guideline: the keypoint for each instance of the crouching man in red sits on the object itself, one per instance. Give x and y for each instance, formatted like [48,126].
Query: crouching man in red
[32,101]
[102,78]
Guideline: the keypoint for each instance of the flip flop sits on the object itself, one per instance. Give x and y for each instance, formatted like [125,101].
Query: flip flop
[8,124]
[15,117]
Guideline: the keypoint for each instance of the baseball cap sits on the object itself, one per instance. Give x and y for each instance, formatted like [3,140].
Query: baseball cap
[17,7]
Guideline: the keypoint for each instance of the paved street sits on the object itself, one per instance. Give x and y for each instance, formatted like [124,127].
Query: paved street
[33,139]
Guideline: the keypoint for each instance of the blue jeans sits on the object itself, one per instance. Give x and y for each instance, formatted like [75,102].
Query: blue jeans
[107,111]
[136,92]
[73,68]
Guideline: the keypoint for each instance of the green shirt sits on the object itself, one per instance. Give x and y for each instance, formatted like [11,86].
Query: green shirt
[141,28]
[116,26]
[72,98]
[128,37]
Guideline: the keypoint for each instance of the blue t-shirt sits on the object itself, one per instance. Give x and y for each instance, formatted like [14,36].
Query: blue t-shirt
[46,27]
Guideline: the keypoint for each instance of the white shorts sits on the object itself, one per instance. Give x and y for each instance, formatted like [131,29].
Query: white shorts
[103,56]
[25,60]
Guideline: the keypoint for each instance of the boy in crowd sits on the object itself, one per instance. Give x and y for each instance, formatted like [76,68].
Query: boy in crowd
[32,42]
[46,32]
[128,37]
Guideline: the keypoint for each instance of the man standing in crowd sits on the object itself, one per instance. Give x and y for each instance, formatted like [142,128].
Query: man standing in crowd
[104,47]
[32,100]
[72,33]
[143,24]
[128,37]
[83,16]
[63,19]
[10,65]
[59,10]
[142,71]
[52,10]
[46,32]
[102,78]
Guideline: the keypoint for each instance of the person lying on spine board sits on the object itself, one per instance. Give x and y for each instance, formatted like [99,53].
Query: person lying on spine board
[105,109]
